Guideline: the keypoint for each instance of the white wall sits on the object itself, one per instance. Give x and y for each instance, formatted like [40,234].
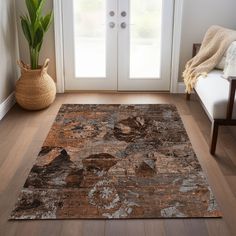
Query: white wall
[198,16]
[8,48]
[48,48]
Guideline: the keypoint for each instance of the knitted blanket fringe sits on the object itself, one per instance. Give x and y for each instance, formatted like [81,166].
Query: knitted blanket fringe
[216,41]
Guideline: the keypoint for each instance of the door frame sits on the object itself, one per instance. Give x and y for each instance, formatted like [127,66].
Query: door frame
[59,48]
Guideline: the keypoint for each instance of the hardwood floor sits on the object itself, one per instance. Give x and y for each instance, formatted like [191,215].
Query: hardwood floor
[22,134]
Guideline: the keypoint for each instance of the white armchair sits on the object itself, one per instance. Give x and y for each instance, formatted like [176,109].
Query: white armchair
[217,96]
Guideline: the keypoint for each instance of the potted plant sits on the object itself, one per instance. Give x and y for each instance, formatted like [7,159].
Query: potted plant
[35,90]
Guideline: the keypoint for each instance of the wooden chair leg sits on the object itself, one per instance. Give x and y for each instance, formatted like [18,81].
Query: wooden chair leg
[188,96]
[214,136]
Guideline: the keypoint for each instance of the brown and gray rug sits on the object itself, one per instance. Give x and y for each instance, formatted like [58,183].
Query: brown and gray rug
[116,161]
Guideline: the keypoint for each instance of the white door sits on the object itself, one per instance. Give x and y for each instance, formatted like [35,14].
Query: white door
[90,44]
[117,44]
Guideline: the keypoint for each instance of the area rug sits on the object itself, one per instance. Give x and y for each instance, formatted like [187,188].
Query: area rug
[116,161]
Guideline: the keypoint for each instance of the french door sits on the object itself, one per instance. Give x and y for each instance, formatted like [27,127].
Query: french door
[120,45]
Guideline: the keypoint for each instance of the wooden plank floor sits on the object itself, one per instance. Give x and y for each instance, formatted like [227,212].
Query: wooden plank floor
[22,134]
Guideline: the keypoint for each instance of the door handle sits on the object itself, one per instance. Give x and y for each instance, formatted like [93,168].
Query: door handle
[111,13]
[123,25]
[112,25]
[123,14]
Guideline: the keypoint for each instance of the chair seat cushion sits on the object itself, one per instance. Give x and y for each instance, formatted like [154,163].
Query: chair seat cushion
[213,91]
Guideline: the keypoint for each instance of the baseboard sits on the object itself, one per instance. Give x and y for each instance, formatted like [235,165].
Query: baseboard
[7,105]
[181,87]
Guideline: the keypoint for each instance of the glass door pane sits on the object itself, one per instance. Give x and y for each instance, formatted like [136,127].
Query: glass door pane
[90,44]
[90,38]
[145,38]
[145,43]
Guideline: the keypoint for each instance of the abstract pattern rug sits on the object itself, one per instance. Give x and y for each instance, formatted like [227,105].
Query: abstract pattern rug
[116,161]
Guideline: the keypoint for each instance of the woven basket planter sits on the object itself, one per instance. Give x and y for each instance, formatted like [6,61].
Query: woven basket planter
[35,90]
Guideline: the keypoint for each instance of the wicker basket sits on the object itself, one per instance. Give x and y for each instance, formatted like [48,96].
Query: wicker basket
[35,90]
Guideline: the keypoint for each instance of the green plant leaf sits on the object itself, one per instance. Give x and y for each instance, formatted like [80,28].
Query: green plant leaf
[36,2]
[34,26]
[38,39]
[40,46]
[30,26]
[32,8]
[46,21]
[26,30]
[41,3]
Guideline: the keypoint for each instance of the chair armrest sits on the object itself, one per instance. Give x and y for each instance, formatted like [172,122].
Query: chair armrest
[231,97]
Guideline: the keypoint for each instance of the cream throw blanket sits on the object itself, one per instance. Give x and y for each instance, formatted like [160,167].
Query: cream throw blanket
[214,45]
